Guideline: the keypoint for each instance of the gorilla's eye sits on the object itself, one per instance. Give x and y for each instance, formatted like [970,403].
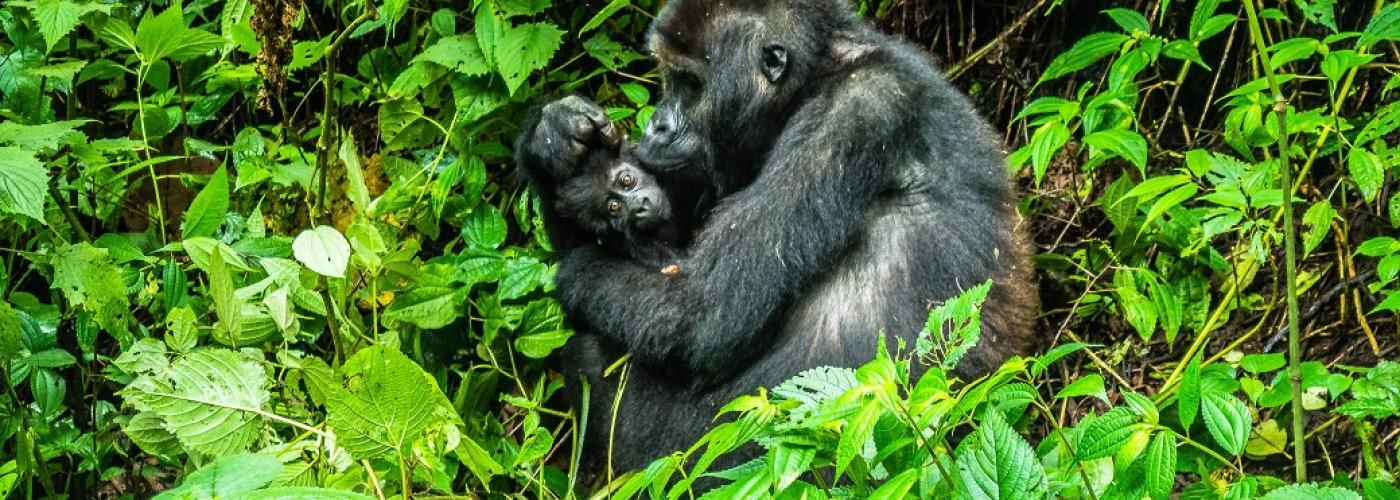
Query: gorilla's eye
[614,206]
[774,60]
[626,181]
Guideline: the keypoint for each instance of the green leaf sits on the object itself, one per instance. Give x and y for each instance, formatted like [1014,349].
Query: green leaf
[540,345]
[49,358]
[1085,52]
[9,333]
[603,15]
[1368,172]
[1318,219]
[147,430]
[1045,144]
[207,211]
[425,307]
[1130,20]
[611,54]
[461,53]
[212,400]
[1227,419]
[1060,351]
[92,283]
[1385,26]
[484,227]
[789,462]
[1160,466]
[855,433]
[1311,492]
[897,487]
[997,463]
[355,188]
[524,49]
[227,477]
[1262,363]
[385,404]
[303,492]
[1379,246]
[23,182]
[523,275]
[57,18]
[1106,434]
[1090,385]
[323,250]
[1122,143]
[165,35]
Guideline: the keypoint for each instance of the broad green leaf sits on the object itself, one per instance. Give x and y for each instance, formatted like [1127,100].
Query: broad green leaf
[1130,20]
[227,477]
[1085,52]
[896,487]
[997,463]
[1384,26]
[1122,143]
[478,460]
[1106,434]
[1318,220]
[324,250]
[23,181]
[10,331]
[147,430]
[1293,49]
[1227,419]
[540,345]
[212,400]
[789,462]
[611,54]
[1159,467]
[603,15]
[385,404]
[524,49]
[425,307]
[49,358]
[1262,363]
[484,227]
[1268,439]
[207,211]
[91,282]
[42,137]
[302,492]
[523,275]
[460,53]
[1379,246]
[517,8]
[1167,201]
[1045,144]
[857,430]
[1060,351]
[1311,491]
[1090,385]
[165,35]
[355,188]
[1322,12]
[1368,172]
[477,265]
[57,18]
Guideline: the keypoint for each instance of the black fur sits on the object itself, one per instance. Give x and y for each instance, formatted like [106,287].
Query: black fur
[857,188]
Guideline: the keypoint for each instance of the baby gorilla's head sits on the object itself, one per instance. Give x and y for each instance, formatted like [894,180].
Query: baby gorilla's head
[614,195]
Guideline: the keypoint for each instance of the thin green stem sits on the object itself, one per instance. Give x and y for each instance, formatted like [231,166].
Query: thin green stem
[1295,361]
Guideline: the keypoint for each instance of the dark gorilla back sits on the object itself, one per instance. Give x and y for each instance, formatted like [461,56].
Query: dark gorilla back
[858,189]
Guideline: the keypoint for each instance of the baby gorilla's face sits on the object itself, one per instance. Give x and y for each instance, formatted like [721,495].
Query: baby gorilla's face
[616,197]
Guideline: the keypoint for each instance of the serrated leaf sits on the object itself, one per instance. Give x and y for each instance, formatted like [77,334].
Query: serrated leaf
[1122,143]
[23,181]
[603,15]
[1311,491]
[997,463]
[1090,385]
[1045,144]
[90,281]
[1105,435]
[523,275]
[541,345]
[1055,354]
[525,48]
[210,206]
[425,307]
[1368,172]
[484,228]
[1085,52]
[1159,466]
[857,430]
[1227,419]
[10,330]
[460,53]
[227,477]
[1268,439]
[385,403]
[323,250]
[895,488]
[57,18]
[302,492]
[166,36]
[43,137]
[147,430]
[611,54]
[355,188]
[212,400]
[1188,401]
[1384,26]
[1130,20]
[1318,220]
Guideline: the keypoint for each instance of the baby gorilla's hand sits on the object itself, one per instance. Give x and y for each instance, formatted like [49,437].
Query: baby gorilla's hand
[671,270]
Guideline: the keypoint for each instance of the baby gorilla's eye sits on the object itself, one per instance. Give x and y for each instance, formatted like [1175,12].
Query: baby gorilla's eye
[627,181]
[614,207]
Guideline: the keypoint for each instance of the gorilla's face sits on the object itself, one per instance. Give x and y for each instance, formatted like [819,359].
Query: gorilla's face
[730,74]
[616,197]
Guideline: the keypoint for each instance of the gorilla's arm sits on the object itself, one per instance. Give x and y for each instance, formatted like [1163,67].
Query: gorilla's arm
[761,246]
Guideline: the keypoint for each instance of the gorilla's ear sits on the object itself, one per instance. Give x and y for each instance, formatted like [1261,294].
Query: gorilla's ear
[773,62]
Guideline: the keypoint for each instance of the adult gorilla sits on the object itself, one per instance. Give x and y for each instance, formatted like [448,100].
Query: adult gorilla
[858,189]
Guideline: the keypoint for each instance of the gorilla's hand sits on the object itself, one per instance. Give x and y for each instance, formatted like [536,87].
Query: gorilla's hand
[552,146]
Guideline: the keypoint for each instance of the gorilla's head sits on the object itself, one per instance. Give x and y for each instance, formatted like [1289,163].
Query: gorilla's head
[732,72]
[614,196]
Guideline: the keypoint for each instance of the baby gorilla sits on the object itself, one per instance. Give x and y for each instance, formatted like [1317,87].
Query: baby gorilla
[632,211]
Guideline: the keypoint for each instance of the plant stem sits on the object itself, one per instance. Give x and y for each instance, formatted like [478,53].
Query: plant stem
[1295,361]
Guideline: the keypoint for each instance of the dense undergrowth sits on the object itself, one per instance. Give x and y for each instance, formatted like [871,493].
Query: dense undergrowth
[267,249]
